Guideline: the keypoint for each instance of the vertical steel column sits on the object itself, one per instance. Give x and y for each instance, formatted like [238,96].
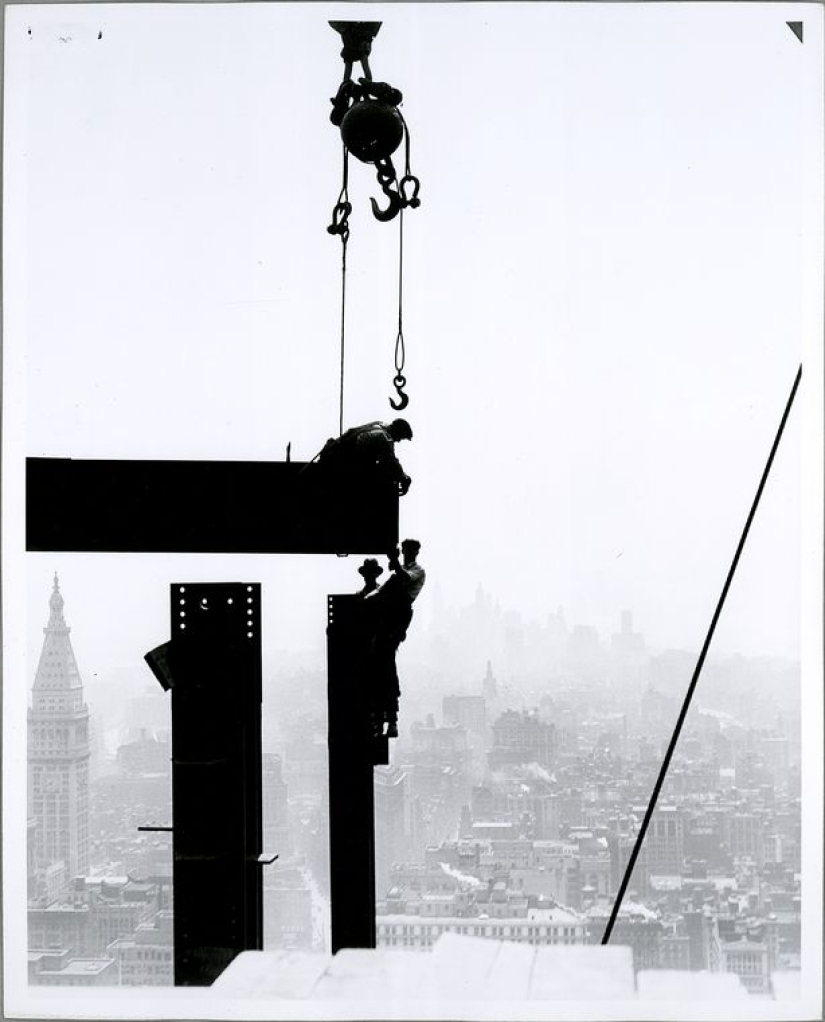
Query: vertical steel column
[214,671]
[352,753]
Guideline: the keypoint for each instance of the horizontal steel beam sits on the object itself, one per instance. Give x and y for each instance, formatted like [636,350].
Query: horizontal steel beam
[204,507]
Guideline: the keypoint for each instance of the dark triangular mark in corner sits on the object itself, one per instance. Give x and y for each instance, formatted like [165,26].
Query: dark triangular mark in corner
[796,28]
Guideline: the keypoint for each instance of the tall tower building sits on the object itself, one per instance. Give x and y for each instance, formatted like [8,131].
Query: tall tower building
[58,751]
[489,686]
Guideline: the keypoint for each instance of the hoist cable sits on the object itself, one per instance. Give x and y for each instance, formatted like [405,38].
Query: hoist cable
[342,327]
[400,353]
[406,144]
[343,202]
[699,664]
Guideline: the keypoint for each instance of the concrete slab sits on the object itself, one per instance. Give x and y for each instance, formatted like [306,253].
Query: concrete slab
[383,974]
[286,974]
[786,985]
[583,972]
[511,973]
[462,964]
[673,985]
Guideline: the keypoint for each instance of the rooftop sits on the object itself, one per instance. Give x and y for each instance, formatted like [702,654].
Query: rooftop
[81,967]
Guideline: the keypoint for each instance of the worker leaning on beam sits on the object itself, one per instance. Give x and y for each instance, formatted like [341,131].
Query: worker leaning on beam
[368,450]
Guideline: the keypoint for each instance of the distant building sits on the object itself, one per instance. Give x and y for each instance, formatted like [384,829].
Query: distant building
[704,840]
[390,823]
[59,751]
[583,644]
[495,830]
[51,882]
[521,794]
[90,914]
[305,765]
[436,764]
[489,685]
[514,644]
[636,926]
[703,935]
[150,710]
[446,871]
[287,909]
[593,858]
[552,872]
[569,810]
[482,805]
[663,847]
[446,745]
[145,753]
[522,738]
[775,751]
[31,833]
[147,958]
[468,711]
[674,952]
[627,641]
[542,807]
[276,827]
[749,961]
[57,968]
[662,852]
[538,927]
[743,836]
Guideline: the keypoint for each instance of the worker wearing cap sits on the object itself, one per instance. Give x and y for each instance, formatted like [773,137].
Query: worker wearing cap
[392,605]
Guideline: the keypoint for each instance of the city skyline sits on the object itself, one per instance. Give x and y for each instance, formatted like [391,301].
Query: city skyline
[439,850]
[121,678]
[305,623]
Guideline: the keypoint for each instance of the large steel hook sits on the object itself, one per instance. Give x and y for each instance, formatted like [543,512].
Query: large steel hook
[394,208]
[399,382]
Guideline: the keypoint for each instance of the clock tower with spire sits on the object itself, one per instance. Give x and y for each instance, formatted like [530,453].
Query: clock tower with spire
[58,751]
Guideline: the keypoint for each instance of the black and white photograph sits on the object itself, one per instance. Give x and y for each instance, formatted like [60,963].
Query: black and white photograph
[412,510]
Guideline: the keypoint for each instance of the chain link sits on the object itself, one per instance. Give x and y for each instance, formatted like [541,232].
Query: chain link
[340,226]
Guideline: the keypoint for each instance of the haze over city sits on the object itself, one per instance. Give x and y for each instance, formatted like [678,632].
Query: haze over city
[508,807]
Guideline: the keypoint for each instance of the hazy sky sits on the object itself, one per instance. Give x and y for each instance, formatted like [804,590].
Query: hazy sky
[610,283]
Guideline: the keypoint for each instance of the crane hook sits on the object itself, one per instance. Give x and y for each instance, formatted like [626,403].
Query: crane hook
[399,382]
[392,211]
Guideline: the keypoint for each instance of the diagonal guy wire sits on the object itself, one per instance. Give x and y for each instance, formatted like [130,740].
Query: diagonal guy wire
[698,669]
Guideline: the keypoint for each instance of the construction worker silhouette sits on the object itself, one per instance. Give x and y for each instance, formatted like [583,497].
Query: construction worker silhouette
[365,453]
[369,571]
[391,607]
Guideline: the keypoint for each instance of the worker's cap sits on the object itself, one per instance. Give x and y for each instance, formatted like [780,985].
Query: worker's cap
[401,428]
[411,544]
[370,568]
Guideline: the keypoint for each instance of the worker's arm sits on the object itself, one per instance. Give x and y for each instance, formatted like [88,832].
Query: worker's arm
[411,580]
[392,466]
[388,459]
[396,565]
[377,447]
